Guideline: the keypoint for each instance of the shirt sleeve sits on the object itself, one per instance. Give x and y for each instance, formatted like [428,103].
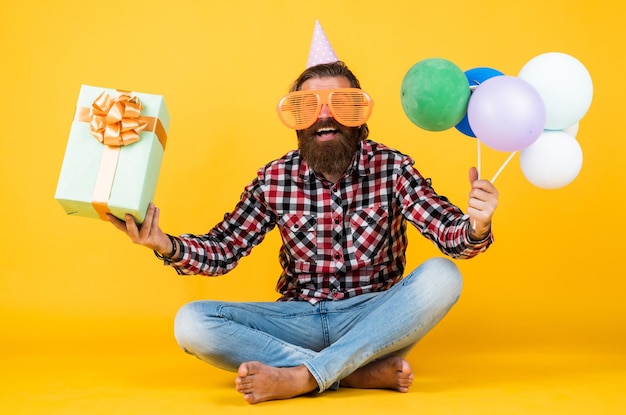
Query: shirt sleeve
[435,216]
[220,250]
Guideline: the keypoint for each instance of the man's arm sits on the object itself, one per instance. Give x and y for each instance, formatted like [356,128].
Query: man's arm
[214,253]
[442,222]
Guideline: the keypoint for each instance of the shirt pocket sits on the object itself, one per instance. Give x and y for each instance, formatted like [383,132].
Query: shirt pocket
[299,235]
[369,239]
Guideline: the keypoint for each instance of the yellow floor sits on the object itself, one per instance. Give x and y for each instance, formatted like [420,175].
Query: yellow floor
[452,382]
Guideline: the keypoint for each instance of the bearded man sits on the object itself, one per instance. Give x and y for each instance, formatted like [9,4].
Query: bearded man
[347,314]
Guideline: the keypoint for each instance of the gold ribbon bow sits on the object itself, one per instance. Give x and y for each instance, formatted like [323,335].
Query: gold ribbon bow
[116,121]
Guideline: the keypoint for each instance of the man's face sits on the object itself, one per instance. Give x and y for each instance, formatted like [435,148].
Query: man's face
[327,146]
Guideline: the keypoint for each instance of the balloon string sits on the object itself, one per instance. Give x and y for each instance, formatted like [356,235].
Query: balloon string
[495,176]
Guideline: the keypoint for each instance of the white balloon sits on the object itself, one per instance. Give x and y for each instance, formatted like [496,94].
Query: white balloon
[572,130]
[564,85]
[552,161]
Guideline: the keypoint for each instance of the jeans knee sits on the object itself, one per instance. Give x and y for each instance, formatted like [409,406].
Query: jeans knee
[438,280]
[447,275]
[186,326]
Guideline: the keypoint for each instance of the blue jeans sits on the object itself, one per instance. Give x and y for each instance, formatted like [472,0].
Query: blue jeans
[333,338]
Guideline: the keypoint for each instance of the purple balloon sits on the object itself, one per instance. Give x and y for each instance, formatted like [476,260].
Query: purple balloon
[506,113]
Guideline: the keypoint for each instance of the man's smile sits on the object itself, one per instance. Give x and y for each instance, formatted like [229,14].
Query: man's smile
[326,134]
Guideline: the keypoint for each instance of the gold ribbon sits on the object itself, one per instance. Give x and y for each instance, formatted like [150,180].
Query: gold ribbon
[115,122]
[111,125]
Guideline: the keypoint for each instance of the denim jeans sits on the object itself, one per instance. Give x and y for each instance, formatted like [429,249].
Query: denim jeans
[332,338]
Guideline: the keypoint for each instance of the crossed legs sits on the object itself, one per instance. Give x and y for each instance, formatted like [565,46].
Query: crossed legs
[282,350]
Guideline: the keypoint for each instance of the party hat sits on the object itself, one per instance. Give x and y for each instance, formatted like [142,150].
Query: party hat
[321,51]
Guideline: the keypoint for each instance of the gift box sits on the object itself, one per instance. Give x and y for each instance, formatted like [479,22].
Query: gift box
[114,153]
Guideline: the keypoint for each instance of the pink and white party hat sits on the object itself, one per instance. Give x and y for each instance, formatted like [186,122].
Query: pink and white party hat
[321,51]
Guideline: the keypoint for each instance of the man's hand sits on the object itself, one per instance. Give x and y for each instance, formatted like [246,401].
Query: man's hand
[483,199]
[148,233]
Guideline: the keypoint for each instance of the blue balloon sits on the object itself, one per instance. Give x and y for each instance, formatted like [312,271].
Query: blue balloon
[475,77]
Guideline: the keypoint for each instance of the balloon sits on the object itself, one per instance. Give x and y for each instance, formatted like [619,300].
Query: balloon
[564,85]
[434,94]
[553,160]
[475,77]
[572,130]
[506,113]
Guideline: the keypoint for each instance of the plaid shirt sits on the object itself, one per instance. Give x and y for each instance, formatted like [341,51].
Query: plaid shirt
[339,240]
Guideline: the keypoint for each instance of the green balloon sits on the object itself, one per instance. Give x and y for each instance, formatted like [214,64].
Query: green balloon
[435,94]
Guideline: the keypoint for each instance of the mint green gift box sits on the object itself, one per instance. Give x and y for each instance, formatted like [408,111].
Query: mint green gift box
[133,178]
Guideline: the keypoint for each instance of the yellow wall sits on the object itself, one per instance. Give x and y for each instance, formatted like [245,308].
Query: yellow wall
[555,274]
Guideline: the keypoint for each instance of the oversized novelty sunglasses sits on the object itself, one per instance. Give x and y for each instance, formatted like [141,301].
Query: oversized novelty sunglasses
[349,106]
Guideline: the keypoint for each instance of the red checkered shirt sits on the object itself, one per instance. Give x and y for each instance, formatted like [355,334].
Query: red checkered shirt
[338,240]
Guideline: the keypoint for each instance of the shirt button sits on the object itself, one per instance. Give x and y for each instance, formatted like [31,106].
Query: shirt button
[335,189]
[337,256]
[337,221]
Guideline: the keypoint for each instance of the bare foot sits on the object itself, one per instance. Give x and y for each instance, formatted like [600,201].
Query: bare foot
[259,383]
[391,372]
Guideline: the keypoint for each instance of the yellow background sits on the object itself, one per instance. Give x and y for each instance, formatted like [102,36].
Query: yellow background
[553,279]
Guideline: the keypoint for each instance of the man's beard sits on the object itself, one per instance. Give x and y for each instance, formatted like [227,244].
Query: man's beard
[330,157]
